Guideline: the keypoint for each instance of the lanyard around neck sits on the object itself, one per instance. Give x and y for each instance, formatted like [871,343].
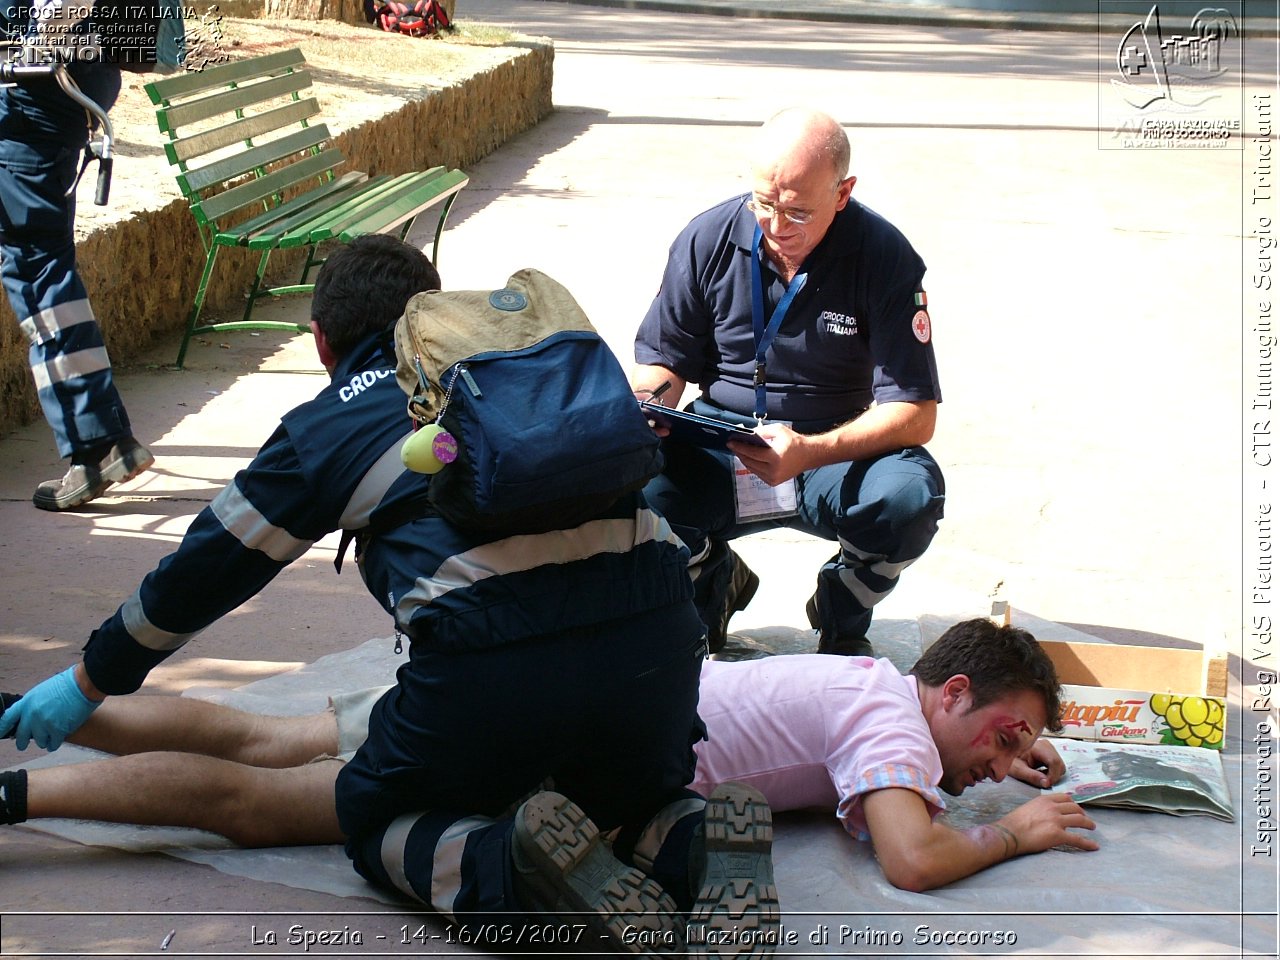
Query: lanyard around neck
[765,333]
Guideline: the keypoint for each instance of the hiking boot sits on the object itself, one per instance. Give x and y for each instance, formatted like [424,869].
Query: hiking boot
[85,481]
[732,586]
[840,646]
[562,866]
[735,911]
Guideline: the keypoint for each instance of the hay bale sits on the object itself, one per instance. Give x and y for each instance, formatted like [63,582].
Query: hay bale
[450,106]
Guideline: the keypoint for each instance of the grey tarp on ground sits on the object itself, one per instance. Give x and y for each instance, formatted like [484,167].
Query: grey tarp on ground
[1160,885]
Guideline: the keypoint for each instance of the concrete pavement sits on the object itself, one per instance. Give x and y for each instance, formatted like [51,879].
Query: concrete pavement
[1059,16]
[1087,306]
[1085,397]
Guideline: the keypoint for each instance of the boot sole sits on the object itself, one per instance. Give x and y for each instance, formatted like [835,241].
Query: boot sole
[736,913]
[576,877]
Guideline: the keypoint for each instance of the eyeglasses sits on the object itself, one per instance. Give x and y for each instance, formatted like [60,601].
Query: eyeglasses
[765,209]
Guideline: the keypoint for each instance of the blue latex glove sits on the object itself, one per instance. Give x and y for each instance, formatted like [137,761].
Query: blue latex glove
[48,712]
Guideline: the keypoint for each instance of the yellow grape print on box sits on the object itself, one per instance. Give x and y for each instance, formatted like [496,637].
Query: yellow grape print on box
[1190,721]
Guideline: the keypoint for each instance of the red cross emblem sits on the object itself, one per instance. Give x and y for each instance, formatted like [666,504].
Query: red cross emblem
[920,326]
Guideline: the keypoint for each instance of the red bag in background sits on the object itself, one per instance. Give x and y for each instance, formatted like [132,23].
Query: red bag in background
[419,18]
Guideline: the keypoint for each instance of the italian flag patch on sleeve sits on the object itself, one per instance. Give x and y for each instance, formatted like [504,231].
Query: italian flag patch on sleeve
[920,324]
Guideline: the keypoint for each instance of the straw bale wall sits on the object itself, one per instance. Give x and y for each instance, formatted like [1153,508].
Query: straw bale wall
[141,256]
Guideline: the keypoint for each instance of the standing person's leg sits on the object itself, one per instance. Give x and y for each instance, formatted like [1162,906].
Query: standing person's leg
[68,358]
[884,513]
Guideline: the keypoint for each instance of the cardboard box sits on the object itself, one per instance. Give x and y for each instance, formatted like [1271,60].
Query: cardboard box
[1141,694]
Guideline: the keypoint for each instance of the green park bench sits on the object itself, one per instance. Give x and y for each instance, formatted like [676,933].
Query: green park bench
[259,175]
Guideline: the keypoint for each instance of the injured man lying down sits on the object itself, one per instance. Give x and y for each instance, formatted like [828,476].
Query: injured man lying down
[807,731]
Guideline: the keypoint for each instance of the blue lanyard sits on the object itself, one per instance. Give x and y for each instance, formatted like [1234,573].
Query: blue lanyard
[764,335]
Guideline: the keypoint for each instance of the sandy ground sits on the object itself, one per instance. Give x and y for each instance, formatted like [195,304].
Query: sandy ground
[340,54]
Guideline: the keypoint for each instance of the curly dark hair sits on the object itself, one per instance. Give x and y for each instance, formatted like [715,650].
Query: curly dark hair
[364,285]
[997,660]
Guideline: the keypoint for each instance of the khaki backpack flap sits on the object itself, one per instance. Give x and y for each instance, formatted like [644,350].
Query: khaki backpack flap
[442,328]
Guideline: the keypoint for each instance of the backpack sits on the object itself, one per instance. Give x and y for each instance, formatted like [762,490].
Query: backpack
[548,432]
[140,38]
[419,18]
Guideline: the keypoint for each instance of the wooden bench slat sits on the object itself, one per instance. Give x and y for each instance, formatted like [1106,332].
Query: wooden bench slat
[186,84]
[229,101]
[238,165]
[293,211]
[415,194]
[370,199]
[263,188]
[197,145]
[284,232]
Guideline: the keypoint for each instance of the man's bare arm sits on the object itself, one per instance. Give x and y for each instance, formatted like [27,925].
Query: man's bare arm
[885,427]
[647,380]
[917,853]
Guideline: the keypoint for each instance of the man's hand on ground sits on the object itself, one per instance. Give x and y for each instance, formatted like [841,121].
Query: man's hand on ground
[1046,822]
[1041,766]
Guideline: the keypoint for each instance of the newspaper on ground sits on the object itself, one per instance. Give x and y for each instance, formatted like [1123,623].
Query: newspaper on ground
[1181,780]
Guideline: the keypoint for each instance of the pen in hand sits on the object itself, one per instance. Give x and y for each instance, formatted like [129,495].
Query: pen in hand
[655,394]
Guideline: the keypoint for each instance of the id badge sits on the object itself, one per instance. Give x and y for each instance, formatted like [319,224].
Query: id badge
[756,500]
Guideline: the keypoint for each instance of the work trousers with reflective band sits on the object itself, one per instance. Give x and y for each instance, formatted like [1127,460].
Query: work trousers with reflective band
[68,359]
[454,864]
[459,865]
[883,512]
[604,714]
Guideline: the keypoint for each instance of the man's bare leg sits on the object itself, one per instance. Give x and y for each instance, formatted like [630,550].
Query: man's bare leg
[142,724]
[252,806]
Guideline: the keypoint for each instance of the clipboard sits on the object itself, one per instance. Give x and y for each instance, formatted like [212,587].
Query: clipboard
[699,430]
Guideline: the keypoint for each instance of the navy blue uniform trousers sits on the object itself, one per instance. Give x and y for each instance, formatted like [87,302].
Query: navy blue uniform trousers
[42,134]
[883,512]
[606,715]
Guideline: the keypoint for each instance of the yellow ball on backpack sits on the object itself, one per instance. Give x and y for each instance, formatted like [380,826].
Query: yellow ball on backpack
[429,449]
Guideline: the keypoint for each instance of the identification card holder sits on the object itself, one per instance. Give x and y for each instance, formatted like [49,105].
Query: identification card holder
[756,500]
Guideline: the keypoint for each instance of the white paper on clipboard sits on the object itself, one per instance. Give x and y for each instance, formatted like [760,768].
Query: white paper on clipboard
[756,500]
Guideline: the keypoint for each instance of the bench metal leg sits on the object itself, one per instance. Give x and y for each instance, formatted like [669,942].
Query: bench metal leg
[255,291]
[193,319]
[311,261]
[444,215]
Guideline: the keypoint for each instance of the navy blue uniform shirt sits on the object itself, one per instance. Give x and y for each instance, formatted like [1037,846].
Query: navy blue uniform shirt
[334,464]
[854,333]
